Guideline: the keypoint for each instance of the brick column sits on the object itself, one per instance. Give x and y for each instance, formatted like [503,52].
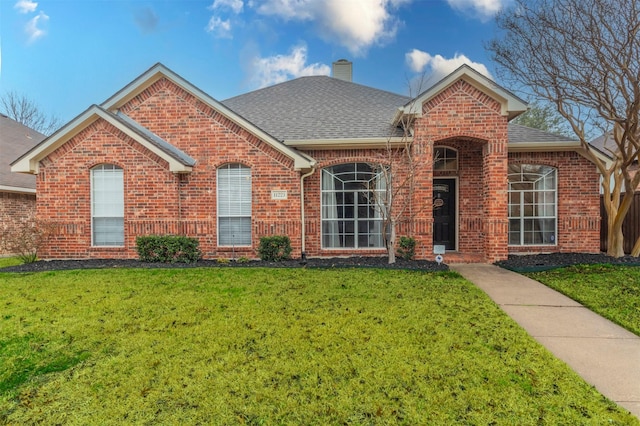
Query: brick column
[423,192]
[496,222]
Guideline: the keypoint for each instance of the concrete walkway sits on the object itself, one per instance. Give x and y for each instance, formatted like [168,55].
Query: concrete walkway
[604,354]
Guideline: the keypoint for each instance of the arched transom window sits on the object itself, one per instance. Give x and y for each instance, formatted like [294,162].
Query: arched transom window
[445,159]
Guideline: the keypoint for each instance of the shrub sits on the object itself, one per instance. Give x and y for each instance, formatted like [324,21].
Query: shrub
[275,248]
[406,248]
[223,261]
[243,259]
[168,249]
[26,238]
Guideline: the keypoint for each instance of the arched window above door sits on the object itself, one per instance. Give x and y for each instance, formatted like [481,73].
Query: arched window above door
[445,159]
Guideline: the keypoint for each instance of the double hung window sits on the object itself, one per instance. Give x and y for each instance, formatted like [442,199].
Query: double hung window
[107,205]
[234,205]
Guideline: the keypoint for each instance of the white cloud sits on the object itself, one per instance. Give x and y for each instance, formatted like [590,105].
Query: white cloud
[279,68]
[219,28]
[436,67]
[26,6]
[483,9]
[233,5]
[33,29]
[355,24]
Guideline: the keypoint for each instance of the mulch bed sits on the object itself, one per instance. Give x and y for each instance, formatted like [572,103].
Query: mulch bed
[518,263]
[334,262]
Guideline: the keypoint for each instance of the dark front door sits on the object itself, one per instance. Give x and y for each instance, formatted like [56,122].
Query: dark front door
[444,213]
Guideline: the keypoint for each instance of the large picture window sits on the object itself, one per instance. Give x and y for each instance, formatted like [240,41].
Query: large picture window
[234,205]
[351,216]
[532,204]
[107,205]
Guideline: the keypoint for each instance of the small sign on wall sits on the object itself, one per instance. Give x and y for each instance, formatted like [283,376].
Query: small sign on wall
[279,194]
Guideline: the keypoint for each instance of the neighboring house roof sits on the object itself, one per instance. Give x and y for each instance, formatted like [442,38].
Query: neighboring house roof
[604,144]
[179,162]
[15,139]
[320,108]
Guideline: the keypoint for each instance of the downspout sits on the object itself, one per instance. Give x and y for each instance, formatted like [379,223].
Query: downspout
[180,225]
[303,229]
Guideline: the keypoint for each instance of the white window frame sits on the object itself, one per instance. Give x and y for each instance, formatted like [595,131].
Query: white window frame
[234,205]
[371,189]
[107,205]
[533,206]
[448,159]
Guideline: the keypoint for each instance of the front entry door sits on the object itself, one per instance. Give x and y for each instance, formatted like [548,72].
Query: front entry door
[444,213]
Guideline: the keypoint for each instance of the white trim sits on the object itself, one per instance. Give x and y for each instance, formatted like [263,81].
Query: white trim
[17,189]
[227,167]
[522,218]
[29,162]
[350,143]
[354,219]
[92,189]
[158,71]
[512,106]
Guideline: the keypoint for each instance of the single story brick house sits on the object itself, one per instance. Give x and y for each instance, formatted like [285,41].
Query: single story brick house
[17,191]
[163,157]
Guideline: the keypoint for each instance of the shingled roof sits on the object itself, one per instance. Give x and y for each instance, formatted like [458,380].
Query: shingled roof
[522,134]
[320,107]
[15,140]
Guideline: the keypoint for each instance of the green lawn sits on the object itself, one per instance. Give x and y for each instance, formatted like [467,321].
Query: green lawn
[9,261]
[275,346]
[611,291]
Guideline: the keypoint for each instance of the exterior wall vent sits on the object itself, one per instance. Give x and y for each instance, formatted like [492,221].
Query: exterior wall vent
[343,70]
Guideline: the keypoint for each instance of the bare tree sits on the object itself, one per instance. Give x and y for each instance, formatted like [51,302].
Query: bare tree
[393,190]
[24,110]
[583,56]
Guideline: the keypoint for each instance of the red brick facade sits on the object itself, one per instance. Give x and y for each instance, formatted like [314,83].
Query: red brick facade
[14,208]
[158,201]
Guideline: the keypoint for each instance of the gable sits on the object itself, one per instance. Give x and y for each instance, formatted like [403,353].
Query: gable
[510,105]
[463,99]
[178,161]
[158,76]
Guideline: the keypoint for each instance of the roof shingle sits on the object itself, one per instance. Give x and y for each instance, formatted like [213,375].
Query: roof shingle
[15,140]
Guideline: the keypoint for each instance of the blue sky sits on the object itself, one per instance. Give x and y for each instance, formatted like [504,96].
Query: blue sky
[69,54]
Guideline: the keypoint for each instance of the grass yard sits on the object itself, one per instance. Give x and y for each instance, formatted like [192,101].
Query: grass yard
[275,346]
[611,291]
[9,261]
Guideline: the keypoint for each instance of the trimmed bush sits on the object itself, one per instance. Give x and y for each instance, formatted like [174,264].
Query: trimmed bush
[275,248]
[168,249]
[406,248]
